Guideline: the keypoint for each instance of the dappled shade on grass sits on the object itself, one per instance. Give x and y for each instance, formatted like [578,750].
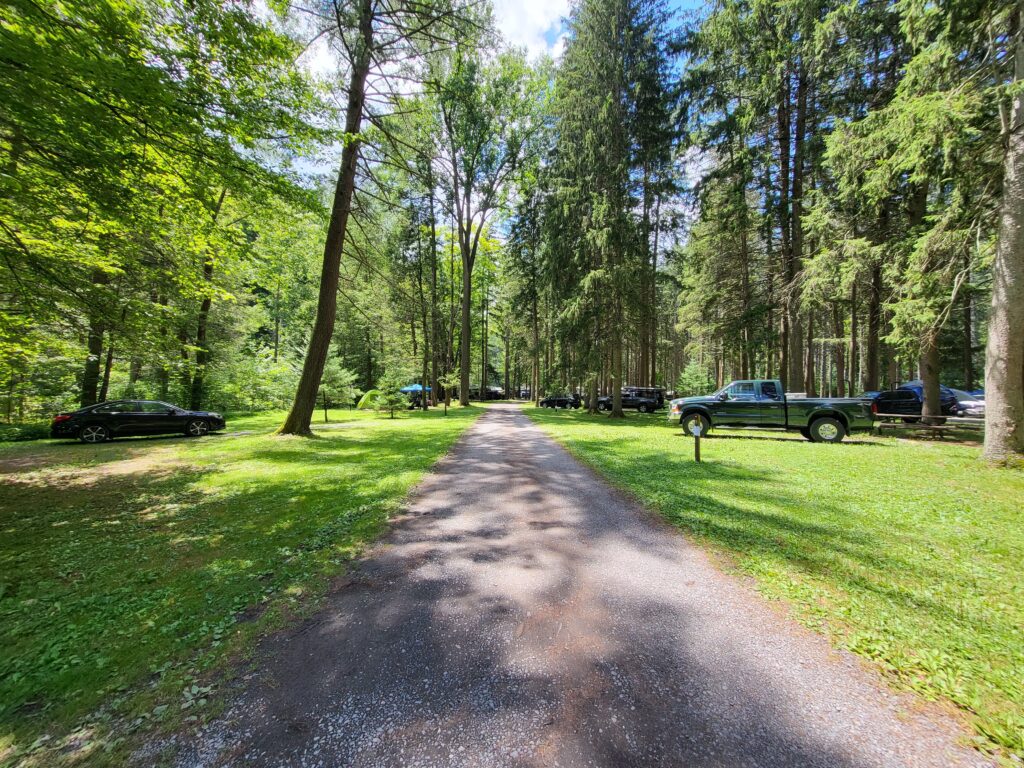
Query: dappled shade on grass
[907,553]
[146,561]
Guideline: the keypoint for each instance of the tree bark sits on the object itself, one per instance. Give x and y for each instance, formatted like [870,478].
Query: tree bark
[840,349]
[297,422]
[871,374]
[1004,355]
[94,345]
[107,365]
[931,409]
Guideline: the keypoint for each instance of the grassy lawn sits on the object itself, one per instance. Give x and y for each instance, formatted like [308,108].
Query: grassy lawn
[908,553]
[133,572]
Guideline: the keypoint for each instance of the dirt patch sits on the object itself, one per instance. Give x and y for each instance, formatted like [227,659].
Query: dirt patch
[40,470]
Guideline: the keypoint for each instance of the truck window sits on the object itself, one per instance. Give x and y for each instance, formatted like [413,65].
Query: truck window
[769,391]
[741,390]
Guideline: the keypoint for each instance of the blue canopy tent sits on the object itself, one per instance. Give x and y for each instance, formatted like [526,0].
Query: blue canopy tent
[412,388]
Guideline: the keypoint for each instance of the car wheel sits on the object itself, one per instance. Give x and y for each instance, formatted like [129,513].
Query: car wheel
[644,409]
[196,428]
[94,433]
[690,419]
[827,430]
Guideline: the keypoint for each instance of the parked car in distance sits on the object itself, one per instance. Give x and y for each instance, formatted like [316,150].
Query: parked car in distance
[907,402]
[644,399]
[131,418]
[561,401]
[763,403]
[969,404]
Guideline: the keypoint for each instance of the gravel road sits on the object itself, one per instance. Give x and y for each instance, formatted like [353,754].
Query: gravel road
[524,614]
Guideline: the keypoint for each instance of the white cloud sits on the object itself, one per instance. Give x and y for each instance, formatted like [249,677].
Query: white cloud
[533,24]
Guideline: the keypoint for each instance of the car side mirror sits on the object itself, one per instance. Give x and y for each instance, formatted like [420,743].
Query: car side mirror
[171,411]
[723,396]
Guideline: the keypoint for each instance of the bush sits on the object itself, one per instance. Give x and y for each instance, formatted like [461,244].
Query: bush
[30,430]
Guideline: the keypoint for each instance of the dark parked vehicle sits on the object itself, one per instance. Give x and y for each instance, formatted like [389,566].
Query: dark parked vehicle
[763,403]
[644,399]
[561,401]
[124,418]
[907,401]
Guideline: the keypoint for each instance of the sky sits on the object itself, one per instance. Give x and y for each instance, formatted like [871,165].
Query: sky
[538,25]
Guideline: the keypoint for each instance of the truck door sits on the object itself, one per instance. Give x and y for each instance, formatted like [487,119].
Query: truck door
[740,405]
[772,404]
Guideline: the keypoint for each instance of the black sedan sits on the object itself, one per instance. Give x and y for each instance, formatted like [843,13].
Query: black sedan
[124,418]
[561,401]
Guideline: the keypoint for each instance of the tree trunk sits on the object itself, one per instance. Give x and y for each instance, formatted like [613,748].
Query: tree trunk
[840,349]
[617,371]
[433,298]
[931,409]
[297,422]
[94,344]
[872,343]
[1004,355]
[107,365]
[968,344]
[202,353]
[94,352]
[853,339]
[483,340]
[535,387]
[465,335]
[810,385]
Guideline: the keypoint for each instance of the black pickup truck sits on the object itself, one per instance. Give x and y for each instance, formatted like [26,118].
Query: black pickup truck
[763,403]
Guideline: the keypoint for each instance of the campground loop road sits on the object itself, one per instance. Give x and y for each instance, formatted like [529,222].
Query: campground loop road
[524,614]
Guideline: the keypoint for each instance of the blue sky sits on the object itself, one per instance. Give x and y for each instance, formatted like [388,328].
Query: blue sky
[537,24]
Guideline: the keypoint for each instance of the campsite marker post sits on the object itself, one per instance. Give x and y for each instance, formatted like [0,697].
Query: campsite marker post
[695,429]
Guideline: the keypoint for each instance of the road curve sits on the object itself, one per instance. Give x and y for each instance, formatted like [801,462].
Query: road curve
[524,614]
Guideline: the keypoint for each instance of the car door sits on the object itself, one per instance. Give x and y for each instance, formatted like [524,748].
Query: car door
[117,416]
[157,418]
[772,404]
[740,405]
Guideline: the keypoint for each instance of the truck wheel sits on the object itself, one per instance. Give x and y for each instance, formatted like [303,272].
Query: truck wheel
[644,408]
[603,406]
[690,419]
[827,430]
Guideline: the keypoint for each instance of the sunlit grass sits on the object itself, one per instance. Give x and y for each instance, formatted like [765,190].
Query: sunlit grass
[131,571]
[908,553]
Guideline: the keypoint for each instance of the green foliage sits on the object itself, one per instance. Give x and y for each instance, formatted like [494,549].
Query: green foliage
[923,579]
[137,143]
[694,380]
[390,396]
[339,383]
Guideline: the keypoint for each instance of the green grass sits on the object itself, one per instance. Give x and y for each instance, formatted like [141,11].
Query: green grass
[908,553]
[134,573]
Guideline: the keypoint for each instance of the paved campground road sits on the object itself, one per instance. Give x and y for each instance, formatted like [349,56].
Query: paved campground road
[522,613]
